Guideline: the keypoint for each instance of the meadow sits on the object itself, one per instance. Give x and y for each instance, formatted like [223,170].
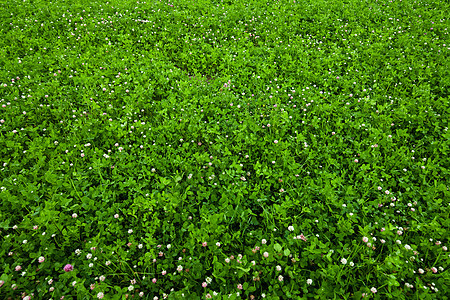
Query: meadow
[179,149]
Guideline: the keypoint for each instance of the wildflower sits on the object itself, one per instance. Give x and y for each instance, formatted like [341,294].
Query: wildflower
[373,290]
[302,237]
[343,261]
[291,228]
[263,241]
[204,244]
[434,270]
[100,295]
[141,294]
[266,254]
[41,259]
[68,268]
[239,286]
[309,281]
[365,239]
[180,268]
[154,280]
[280,278]
[278,268]
[18,268]
[130,288]
[204,284]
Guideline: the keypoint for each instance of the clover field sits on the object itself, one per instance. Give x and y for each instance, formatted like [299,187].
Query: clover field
[224,149]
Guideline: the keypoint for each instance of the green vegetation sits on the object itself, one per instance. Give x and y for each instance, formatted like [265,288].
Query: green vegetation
[224,149]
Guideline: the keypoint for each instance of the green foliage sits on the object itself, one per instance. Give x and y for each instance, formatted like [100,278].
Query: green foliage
[224,149]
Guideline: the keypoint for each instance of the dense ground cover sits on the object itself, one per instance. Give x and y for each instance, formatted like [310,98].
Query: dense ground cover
[224,149]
